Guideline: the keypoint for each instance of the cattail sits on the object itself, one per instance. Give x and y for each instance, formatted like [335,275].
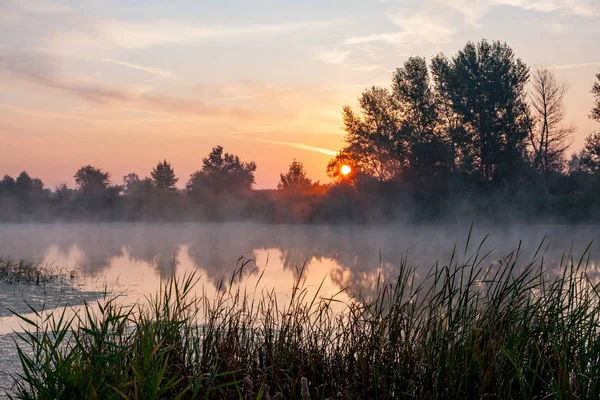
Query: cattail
[249,388]
[265,392]
[305,390]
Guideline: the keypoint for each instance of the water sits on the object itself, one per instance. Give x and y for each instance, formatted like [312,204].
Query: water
[134,260]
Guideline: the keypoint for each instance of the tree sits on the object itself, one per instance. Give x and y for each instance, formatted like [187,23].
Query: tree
[374,147]
[483,92]
[420,125]
[596,92]
[295,178]
[590,155]
[133,186]
[412,90]
[549,137]
[222,173]
[7,185]
[92,181]
[28,189]
[163,177]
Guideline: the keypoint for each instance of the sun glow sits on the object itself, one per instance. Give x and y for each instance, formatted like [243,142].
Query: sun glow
[346,169]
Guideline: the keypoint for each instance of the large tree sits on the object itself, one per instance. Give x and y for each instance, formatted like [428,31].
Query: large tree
[163,177]
[550,137]
[295,178]
[483,87]
[373,145]
[421,128]
[222,173]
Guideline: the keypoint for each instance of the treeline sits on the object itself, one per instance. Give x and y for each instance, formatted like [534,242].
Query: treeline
[476,135]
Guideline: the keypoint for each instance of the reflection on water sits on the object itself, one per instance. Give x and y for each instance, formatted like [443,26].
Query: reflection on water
[352,257]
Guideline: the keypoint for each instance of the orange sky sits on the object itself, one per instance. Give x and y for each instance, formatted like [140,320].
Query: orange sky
[124,86]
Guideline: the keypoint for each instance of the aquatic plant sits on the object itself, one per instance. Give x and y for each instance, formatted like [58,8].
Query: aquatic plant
[469,330]
[29,272]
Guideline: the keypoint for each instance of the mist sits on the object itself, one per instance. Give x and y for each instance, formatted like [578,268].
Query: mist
[350,255]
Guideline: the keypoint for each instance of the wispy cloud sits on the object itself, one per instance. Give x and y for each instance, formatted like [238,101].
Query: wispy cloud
[35,69]
[40,7]
[581,65]
[474,10]
[296,145]
[353,59]
[334,56]
[144,34]
[151,70]
[416,27]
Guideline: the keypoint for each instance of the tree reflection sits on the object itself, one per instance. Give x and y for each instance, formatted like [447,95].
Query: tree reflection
[362,256]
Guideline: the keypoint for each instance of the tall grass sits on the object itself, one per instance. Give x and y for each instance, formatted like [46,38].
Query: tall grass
[467,330]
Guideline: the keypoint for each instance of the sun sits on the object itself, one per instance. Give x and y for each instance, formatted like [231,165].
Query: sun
[346,169]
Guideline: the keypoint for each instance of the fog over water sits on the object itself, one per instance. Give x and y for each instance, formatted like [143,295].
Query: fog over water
[347,256]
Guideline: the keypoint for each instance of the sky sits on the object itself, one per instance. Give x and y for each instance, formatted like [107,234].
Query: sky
[125,84]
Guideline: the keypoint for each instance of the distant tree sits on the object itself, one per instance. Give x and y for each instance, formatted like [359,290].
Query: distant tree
[28,189]
[63,194]
[92,181]
[133,186]
[163,177]
[130,181]
[295,178]
[7,185]
[374,147]
[596,92]
[590,155]
[222,173]
[575,165]
[483,93]
[549,137]
[25,183]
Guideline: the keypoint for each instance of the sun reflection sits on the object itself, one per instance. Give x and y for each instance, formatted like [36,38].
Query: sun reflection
[346,169]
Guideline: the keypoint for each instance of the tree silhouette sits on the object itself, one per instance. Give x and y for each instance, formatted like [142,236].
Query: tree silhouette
[596,92]
[485,87]
[590,155]
[421,130]
[549,137]
[295,178]
[7,185]
[163,177]
[222,173]
[92,181]
[373,146]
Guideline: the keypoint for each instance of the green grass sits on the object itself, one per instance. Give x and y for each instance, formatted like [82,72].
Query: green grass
[469,330]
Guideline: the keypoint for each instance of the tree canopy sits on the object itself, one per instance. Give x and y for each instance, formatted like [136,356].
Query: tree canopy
[295,178]
[222,173]
[163,177]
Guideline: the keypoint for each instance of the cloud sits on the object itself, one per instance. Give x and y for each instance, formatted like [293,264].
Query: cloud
[36,69]
[155,71]
[296,145]
[40,7]
[354,59]
[474,10]
[334,56]
[145,34]
[423,26]
[581,65]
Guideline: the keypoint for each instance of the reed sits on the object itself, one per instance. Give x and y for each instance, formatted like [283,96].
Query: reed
[467,330]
